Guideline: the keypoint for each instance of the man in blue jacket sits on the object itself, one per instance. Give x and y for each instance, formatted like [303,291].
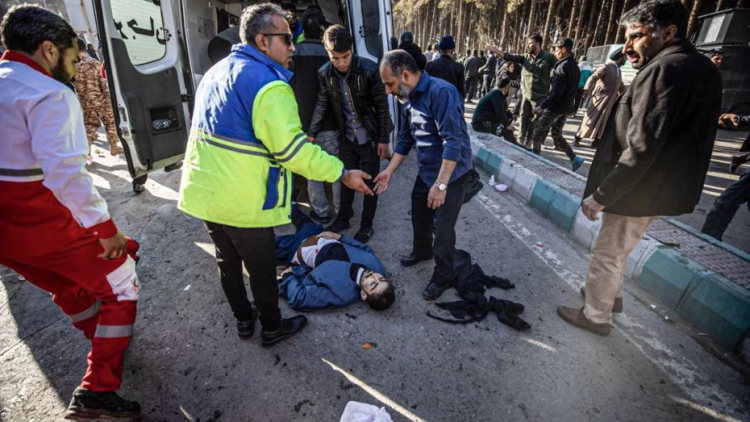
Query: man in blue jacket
[330,270]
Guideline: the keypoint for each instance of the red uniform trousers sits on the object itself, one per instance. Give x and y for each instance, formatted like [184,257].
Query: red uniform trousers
[98,296]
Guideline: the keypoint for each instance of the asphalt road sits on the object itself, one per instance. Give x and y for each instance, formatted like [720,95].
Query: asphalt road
[727,144]
[186,363]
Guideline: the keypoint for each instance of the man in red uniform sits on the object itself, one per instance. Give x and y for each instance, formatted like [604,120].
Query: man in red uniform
[55,228]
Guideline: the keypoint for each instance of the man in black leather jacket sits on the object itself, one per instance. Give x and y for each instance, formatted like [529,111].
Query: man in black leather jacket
[351,87]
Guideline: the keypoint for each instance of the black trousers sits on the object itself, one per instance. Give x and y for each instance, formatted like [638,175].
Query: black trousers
[256,248]
[471,87]
[554,122]
[487,85]
[359,157]
[444,218]
[486,126]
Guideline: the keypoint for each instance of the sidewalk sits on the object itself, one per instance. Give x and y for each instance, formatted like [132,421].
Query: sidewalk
[704,280]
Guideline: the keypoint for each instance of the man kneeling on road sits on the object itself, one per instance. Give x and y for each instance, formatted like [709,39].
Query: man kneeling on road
[654,155]
[433,120]
[245,142]
[330,270]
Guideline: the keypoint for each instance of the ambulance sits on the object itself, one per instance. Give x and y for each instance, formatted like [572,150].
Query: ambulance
[156,51]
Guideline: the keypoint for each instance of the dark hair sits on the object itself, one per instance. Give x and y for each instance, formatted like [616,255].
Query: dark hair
[384,300]
[398,61]
[476,52]
[337,38]
[25,27]
[289,7]
[313,24]
[258,19]
[715,53]
[503,83]
[584,58]
[658,14]
[81,44]
[537,38]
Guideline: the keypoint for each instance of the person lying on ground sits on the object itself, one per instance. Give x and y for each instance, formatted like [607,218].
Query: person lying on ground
[330,270]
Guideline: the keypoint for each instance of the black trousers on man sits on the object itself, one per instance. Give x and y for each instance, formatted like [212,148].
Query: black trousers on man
[256,248]
[444,218]
[471,87]
[359,157]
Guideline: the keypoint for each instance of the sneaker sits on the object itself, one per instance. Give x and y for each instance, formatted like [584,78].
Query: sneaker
[339,226]
[616,308]
[737,161]
[319,218]
[115,150]
[577,163]
[246,329]
[433,291]
[576,317]
[96,405]
[138,188]
[288,328]
[413,259]
[364,234]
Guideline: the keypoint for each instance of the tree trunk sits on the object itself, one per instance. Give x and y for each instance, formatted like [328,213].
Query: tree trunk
[504,30]
[590,26]
[620,38]
[550,11]
[600,24]
[720,5]
[693,17]
[611,23]
[531,29]
[573,15]
[581,15]
[523,28]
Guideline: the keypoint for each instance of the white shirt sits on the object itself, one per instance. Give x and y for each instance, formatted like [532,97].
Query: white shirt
[309,253]
[42,129]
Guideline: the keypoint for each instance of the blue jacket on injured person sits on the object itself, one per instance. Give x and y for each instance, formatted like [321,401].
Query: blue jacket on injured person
[329,270]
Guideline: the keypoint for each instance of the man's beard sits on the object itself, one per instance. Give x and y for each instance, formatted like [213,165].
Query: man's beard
[60,74]
[403,92]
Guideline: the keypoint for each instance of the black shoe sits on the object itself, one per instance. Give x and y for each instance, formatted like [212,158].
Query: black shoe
[138,188]
[433,291]
[173,167]
[364,234]
[413,259]
[322,220]
[577,141]
[288,328]
[91,405]
[246,329]
[339,226]
[737,161]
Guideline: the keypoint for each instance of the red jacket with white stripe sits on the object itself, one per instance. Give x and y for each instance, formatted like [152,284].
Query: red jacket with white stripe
[47,197]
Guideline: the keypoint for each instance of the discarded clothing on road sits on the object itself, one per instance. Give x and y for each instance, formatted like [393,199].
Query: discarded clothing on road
[472,283]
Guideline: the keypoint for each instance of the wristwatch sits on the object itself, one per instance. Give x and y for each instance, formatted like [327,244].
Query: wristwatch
[441,186]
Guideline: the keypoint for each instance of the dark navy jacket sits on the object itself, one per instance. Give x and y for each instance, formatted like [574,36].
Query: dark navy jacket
[329,285]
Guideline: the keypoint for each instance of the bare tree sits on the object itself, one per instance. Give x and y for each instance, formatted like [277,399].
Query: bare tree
[693,17]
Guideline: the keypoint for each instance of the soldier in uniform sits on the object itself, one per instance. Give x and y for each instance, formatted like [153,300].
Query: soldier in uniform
[94,97]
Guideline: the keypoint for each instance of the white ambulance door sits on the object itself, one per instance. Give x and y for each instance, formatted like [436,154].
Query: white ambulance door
[141,47]
[372,28]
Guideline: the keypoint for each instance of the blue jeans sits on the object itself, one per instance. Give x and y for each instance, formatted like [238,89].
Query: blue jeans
[726,206]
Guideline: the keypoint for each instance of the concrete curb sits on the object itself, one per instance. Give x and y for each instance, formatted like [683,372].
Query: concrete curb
[710,301]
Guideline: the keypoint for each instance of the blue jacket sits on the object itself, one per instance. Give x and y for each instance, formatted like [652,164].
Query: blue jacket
[433,120]
[329,285]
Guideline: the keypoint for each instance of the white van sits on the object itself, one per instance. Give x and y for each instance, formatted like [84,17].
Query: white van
[156,52]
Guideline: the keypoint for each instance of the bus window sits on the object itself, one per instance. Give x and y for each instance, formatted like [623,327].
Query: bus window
[141,27]
[371,23]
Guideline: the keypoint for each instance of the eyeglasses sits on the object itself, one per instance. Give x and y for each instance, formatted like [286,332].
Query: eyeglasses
[287,36]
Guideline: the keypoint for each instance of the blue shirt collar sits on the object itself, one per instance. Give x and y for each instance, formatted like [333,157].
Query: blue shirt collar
[253,52]
[422,85]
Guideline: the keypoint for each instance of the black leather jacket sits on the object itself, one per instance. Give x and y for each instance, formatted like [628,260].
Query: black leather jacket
[370,99]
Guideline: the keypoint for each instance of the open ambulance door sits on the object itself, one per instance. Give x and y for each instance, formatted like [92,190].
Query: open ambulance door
[141,45]
[372,28]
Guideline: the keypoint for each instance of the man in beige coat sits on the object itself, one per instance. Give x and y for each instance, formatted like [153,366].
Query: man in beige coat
[604,86]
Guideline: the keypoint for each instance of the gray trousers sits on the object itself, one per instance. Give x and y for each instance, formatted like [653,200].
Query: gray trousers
[328,142]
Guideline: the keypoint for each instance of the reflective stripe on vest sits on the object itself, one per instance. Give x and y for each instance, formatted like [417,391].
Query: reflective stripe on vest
[88,313]
[21,173]
[114,331]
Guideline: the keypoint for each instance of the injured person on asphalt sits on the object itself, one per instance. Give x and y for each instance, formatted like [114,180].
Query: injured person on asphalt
[329,270]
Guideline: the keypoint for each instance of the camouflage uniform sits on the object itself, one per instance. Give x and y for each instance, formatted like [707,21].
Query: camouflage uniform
[94,97]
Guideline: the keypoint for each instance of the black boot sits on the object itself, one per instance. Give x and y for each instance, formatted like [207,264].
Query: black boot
[339,226]
[433,291]
[92,405]
[288,328]
[246,329]
[413,259]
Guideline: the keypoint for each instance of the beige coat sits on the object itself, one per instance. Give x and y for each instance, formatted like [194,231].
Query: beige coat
[604,86]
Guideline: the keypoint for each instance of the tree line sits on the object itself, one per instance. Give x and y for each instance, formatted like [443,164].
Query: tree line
[508,23]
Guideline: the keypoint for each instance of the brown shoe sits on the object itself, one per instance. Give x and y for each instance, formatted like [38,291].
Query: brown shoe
[576,317]
[616,308]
